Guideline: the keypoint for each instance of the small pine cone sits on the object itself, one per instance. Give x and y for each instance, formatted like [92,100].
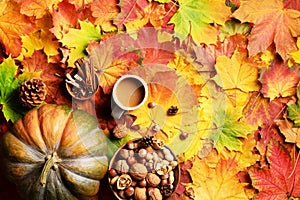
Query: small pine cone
[32,92]
[147,141]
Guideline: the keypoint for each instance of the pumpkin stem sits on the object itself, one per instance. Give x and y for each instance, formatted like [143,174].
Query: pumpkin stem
[51,162]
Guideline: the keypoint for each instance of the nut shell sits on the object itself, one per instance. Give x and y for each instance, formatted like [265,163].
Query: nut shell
[152,180]
[140,193]
[138,171]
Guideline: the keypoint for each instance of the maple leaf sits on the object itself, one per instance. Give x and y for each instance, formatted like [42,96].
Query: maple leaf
[294,110]
[272,23]
[189,19]
[261,111]
[38,63]
[236,73]
[217,183]
[279,80]
[109,65]
[291,133]
[295,55]
[64,18]
[37,8]
[130,10]
[232,27]
[104,12]
[78,39]
[9,86]
[12,26]
[228,129]
[40,39]
[277,180]
[80,3]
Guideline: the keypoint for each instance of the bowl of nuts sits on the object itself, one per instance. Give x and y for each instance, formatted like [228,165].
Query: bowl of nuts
[143,169]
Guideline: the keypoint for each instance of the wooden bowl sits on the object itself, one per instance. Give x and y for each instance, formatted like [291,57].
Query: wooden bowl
[69,88]
[117,157]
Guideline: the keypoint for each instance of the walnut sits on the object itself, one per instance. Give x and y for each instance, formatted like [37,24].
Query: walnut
[120,131]
[140,193]
[122,166]
[124,181]
[138,171]
[152,180]
[155,194]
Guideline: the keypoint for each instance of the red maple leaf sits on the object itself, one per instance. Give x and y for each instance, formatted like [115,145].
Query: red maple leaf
[280,179]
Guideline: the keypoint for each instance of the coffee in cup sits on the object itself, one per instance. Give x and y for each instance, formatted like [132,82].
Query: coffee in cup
[129,93]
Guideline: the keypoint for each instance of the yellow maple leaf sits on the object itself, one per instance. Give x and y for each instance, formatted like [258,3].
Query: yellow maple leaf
[40,39]
[38,8]
[153,13]
[80,3]
[237,72]
[104,11]
[295,55]
[217,183]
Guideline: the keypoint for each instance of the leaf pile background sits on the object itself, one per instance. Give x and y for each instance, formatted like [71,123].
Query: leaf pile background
[231,66]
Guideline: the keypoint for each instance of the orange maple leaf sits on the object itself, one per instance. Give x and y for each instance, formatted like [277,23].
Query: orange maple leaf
[63,18]
[272,23]
[12,26]
[80,3]
[104,11]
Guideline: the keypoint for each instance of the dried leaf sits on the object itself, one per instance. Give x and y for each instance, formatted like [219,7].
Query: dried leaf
[273,23]
[237,73]
[279,81]
[217,183]
[280,179]
[37,8]
[291,133]
[187,20]
[13,25]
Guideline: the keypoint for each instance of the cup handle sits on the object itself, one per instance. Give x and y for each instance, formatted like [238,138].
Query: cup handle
[117,112]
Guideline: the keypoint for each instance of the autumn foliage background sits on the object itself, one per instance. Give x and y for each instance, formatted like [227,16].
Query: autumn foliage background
[240,58]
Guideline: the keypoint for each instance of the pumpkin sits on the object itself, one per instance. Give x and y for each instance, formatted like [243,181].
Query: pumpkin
[55,152]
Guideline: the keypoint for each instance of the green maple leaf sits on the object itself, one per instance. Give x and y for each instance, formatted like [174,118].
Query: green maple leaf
[227,131]
[294,110]
[9,90]
[189,19]
[78,40]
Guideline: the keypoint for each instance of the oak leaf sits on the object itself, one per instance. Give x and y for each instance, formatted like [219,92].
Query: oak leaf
[189,19]
[279,80]
[78,40]
[13,25]
[273,23]
[217,183]
[237,72]
[280,179]
[104,12]
[37,8]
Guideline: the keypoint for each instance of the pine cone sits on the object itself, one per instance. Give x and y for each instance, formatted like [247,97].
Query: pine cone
[32,92]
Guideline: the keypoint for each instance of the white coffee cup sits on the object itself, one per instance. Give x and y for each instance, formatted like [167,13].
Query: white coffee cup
[129,93]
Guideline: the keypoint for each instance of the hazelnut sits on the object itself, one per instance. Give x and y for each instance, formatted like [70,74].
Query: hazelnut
[124,181]
[112,173]
[138,171]
[140,193]
[122,166]
[129,191]
[142,153]
[155,194]
[143,183]
[152,180]
[124,153]
[131,160]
